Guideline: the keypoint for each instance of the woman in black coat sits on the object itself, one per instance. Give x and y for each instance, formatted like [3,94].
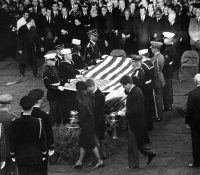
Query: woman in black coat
[86,122]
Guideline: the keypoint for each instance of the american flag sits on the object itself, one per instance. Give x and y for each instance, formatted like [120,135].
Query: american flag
[107,73]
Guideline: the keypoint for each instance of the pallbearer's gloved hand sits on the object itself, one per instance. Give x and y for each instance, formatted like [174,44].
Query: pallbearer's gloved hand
[13,159]
[51,152]
[3,164]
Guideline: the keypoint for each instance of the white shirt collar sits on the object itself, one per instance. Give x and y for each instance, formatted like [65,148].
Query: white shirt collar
[131,88]
[95,90]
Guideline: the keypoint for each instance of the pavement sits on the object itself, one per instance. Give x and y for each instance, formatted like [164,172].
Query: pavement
[170,138]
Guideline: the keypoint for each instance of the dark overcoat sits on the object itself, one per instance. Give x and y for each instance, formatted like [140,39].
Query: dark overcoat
[136,115]
[26,42]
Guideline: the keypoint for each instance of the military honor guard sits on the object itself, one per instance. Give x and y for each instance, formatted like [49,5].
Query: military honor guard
[169,55]
[67,74]
[192,121]
[158,80]
[147,89]
[58,56]
[76,55]
[138,138]
[138,76]
[27,139]
[54,87]
[2,148]
[6,120]
[38,95]
[92,54]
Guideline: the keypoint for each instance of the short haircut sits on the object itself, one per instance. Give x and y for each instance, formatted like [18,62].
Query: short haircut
[25,11]
[158,10]
[127,10]
[142,7]
[90,82]
[126,79]
[54,3]
[29,19]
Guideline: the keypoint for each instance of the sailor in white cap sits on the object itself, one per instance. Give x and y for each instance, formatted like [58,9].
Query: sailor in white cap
[67,73]
[158,81]
[169,55]
[147,90]
[54,86]
[76,55]
[192,120]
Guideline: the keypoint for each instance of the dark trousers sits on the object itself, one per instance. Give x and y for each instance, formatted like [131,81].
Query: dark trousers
[168,93]
[133,150]
[10,167]
[193,47]
[54,112]
[48,43]
[44,166]
[158,99]
[33,67]
[148,106]
[32,169]
[195,134]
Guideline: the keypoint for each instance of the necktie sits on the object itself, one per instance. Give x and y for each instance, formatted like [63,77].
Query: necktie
[49,20]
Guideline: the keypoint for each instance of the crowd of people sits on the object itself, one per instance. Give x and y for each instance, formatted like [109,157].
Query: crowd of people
[72,36]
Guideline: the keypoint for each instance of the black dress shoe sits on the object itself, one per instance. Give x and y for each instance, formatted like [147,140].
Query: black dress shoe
[104,157]
[98,165]
[168,109]
[77,165]
[37,76]
[150,158]
[159,120]
[92,164]
[22,75]
[128,167]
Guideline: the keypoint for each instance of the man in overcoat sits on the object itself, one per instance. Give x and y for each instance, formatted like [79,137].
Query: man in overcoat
[138,138]
[192,121]
[26,47]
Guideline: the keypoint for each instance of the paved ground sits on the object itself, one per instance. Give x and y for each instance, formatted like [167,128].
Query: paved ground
[170,138]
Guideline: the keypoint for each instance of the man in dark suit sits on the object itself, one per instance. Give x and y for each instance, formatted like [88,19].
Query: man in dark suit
[38,95]
[157,25]
[141,31]
[27,39]
[151,12]
[99,115]
[138,138]
[2,148]
[36,7]
[6,119]
[27,139]
[192,121]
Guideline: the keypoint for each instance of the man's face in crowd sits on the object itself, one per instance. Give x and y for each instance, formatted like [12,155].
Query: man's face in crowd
[35,2]
[91,89]
[26,15]
[126,87]
[115,3]
[55,7]
[150,7]
[43,11]
[84,9]
[158,14]
[26,1]
[142,12]
[197,12]
[75,7]
[121,4]
[127,14]
[132,6]
[171,17]
[64,11]
[72,1]
[103,11]
[49,13]
[166,10]
[5,7]
[160,3]
[109,6]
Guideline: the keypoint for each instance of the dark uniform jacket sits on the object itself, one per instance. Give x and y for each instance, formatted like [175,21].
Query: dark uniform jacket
[136,115]
[148,68]
[138,77]
[193,109]
[50,77]
[169,55]
[27,140]
[38,113]
[99,114]
[91,53]
[58,60]
[66,72]
[6,120]
[2,145]
[78,61]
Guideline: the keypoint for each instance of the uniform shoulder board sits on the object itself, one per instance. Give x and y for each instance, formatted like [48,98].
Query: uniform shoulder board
[13,119]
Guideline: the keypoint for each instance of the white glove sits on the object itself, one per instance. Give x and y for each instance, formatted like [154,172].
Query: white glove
[98,61]
[43,158]
[61,88]
[13,159]
[121,113]
[3,164]
[71,80]
[51,152]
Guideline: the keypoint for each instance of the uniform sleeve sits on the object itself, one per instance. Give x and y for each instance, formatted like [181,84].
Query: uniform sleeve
[42,139]
[47,82]
[189,112]
[2,145]
[49,133]
[61,74]
[13,139]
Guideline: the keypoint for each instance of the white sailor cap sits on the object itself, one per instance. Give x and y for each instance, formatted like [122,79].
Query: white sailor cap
[168,34]
[143,51]
[65,51]
[197,77]
[50,56]
[76,42]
